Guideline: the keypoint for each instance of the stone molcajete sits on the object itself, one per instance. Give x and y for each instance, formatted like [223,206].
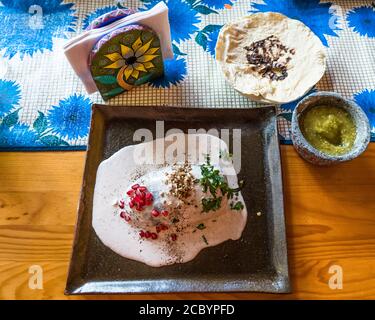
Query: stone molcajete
[315,156]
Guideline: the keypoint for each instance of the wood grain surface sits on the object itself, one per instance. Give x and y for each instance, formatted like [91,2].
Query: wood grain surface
[330,216]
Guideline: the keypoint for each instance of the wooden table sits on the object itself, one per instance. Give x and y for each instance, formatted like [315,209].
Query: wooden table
[330,216]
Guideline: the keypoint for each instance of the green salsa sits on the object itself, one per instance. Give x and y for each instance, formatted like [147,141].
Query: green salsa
[329,129]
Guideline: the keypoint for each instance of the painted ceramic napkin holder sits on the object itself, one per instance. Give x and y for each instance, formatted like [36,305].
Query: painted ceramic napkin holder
[121,50]
[125,58]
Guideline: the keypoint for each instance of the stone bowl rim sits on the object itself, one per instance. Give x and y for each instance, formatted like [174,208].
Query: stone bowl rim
[350,106]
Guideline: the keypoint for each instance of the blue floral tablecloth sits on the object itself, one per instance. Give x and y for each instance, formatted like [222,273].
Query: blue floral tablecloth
[43,105]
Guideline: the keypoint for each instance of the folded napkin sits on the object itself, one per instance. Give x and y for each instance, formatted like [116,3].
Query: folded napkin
[78,49]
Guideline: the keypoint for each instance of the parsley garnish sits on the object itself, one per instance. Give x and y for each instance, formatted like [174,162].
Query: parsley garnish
[237,206]
[205,240]
[211,204]
[225,155]
[212,181]
[201,226]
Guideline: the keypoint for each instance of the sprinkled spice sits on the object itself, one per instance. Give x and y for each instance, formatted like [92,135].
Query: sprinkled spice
[269,57]
[181,180]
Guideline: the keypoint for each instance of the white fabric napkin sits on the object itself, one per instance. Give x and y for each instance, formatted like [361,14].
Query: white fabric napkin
[77,50]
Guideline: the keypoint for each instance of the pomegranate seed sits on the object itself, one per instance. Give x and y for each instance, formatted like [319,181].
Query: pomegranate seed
[173,237]
[122,214]
[121,204]
[164,213]
[139,197]
[155,213]
[158,229]
[127,218]
[148,234]
[142,234]
[164,227]
[154,236]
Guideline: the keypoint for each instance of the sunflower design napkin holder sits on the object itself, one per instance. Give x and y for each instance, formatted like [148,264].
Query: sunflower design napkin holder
[128,57]
[123,49]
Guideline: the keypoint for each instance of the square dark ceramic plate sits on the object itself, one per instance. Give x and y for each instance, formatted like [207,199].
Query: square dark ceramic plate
[256,262]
